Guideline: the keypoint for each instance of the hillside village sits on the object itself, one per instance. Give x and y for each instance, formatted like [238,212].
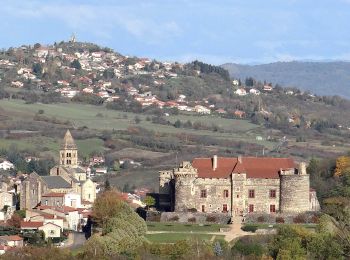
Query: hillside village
[84,72]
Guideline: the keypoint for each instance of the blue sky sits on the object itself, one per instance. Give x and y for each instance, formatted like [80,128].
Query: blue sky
[246,31]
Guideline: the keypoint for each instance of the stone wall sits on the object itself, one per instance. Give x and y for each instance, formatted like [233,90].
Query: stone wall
[295,192]
[262,199]
[199,217]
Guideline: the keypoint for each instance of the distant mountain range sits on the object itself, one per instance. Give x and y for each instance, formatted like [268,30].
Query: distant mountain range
[322,78]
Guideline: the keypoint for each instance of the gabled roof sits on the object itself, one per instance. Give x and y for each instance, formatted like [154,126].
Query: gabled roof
[56,182]
[253,167]
[30,224]
[54,194]
[11,238]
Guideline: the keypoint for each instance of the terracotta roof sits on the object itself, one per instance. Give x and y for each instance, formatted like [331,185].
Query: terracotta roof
[12,238]
[54,194]
[30,224]
[254,167]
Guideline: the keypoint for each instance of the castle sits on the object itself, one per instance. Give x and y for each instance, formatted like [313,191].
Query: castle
[238,186]
[67,177]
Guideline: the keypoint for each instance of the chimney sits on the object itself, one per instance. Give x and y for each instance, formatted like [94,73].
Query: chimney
[215,162]
[302,168]
[239,158]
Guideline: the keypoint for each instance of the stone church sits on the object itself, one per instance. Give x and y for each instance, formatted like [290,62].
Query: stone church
[65,177]
[238,186]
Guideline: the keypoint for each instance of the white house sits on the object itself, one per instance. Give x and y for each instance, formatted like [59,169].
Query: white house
[241,92]
[6,165]
[72,200]
[254,91]
[201,109]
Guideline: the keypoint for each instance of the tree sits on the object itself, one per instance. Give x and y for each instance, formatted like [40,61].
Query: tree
[106,206]
[107,185]
[150,201]
[342,163]
[76,64]
[177,124]
[37,69]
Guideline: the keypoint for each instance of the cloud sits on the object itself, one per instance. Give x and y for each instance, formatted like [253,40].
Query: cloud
[100,20]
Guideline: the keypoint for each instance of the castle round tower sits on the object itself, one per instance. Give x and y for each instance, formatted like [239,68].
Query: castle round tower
[184,177]
[295,189]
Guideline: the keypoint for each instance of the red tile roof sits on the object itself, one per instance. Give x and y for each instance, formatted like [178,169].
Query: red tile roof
[12,238]
[54,194]
[254,167]
[30,224]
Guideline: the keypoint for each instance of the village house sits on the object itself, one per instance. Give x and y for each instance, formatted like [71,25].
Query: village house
[241,92]
[11,241]
[6,165]
[201,109]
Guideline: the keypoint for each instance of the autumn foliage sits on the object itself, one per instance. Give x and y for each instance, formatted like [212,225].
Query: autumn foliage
[342,163]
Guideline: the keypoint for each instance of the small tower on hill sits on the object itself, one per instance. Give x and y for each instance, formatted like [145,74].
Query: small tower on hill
[73,38]
[68,151]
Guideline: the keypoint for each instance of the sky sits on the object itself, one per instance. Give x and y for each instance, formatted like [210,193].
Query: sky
[217,32]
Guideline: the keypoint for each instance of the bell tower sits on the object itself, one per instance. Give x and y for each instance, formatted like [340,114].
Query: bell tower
[68,152]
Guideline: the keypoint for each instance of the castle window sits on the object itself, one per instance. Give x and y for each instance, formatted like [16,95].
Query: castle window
[203,193]
[272,193]
[237,195]
[224,208]
[272,208]
[46,202]
[251,193]
[225,193]
[203,208]
[251,208]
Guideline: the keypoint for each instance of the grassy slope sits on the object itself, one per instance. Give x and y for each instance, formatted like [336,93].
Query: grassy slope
[179,227]
[173,237]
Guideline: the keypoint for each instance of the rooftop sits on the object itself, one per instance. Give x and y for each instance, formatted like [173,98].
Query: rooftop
[253,167]
[68,141]
[56,182]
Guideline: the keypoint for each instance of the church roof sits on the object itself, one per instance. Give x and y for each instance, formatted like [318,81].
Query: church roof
[253,167]
[56,182]
[68,141]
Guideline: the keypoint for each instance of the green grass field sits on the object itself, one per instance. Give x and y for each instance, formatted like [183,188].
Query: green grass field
[180,227]
[46,144]
[173,237]
[100,118]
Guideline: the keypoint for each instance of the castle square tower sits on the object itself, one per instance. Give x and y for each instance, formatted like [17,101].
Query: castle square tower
[68,152]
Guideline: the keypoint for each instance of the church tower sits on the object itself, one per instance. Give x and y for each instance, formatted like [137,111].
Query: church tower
[68,152]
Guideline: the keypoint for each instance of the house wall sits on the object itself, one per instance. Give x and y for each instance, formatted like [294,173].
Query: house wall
[88,191]
[6,198]
[51,230]
[52,201]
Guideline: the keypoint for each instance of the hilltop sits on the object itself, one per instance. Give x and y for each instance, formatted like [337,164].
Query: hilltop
[323,78]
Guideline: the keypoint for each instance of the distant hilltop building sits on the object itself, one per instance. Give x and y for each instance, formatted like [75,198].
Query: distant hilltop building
[238,186]
[66,177]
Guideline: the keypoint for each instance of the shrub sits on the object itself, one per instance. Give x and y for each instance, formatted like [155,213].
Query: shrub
[279,220]
[299,219]
[248,249]
[315,219]
[261,219]
[174,218]
[210,219]
[192,220]
[250,228]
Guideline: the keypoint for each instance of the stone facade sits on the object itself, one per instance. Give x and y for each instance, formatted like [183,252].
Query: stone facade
[66,177]
[238,186]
